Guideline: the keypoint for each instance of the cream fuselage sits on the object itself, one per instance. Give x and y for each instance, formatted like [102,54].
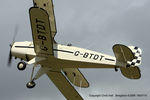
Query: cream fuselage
[65,56]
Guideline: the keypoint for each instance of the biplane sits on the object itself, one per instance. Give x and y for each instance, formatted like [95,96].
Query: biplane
[61,63]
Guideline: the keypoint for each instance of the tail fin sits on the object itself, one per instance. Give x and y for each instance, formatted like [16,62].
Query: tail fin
[137,55]
[128,58]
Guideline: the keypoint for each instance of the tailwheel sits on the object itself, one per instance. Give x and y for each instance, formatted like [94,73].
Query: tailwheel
[116,69]
[30,84]
[21,65]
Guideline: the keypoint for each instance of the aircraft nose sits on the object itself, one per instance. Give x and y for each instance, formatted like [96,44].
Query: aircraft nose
[20,49]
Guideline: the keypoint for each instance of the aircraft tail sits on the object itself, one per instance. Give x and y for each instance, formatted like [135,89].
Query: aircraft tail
[128,59]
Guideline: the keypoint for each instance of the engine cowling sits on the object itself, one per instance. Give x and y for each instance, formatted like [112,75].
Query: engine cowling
[23,50]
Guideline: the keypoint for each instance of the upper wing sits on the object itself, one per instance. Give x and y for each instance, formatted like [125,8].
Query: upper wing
[63,85]
[47,5]
[41,32]
[76,77]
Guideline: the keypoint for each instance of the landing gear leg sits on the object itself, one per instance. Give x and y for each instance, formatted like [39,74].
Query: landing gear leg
[31,84]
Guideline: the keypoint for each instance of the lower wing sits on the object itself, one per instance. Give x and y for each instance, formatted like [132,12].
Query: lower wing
[63,85]
[76,77]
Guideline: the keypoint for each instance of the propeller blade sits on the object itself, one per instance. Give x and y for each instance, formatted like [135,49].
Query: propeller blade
[13,41]
[15,33]
[9,59]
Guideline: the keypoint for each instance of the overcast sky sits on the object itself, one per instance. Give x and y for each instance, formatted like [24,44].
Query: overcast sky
[92,24]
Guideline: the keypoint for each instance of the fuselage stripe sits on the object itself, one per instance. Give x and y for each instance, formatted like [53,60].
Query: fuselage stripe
[23,47]
[63,51]
[53,49]
[109,59]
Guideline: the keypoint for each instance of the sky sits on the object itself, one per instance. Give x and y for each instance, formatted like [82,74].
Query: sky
[92,24]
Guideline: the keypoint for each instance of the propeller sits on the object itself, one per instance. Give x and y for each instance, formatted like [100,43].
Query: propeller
[9,58]
[13,41]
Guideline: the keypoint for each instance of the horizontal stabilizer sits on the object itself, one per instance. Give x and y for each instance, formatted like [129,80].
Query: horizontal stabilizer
[128,59]
[123,53]
[127,56]
[131,72]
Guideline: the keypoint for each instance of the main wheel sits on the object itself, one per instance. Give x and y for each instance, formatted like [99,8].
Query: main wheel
[30,84]
[21,66]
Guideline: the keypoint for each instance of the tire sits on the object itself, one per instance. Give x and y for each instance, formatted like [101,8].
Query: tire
[21,66]
[30,85]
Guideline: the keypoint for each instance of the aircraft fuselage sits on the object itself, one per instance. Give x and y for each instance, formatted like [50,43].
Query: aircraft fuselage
[25,51]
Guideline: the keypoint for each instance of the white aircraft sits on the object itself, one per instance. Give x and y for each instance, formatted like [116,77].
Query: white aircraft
[59,62]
